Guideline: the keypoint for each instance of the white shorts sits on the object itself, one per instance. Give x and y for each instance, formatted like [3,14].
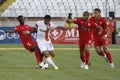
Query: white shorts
[45,45]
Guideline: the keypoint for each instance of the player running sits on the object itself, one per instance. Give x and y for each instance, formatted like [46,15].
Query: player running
[25,35]
[85,27]
[100,41]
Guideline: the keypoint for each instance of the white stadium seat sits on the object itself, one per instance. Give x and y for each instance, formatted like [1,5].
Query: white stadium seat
[59,8]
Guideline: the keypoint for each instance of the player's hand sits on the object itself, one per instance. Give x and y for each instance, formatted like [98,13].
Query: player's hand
[104,37]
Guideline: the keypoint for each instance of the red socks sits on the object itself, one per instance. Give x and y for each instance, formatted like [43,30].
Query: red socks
[38,56]
[85,58]
[109,57]
[87,55]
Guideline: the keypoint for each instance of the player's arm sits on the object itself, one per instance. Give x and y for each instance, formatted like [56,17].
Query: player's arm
[96,26]
[9,31]
[100,30]
[107,31]
[34,30]
[105,26]
[63,28]
[84,28]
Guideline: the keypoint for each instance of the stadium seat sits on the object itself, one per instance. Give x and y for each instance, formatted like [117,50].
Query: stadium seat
[60,7]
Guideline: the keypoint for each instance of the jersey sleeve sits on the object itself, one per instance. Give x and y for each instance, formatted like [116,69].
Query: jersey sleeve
[77,21]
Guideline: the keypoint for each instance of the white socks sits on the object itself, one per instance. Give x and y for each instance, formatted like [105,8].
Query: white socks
[50,61]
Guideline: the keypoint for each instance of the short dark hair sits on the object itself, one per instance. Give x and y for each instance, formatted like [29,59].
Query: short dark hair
[19,16]
[86,12]
[97,9]
[47,17]
[70,14]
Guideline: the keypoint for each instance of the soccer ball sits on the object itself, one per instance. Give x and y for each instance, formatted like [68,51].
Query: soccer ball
[44,65]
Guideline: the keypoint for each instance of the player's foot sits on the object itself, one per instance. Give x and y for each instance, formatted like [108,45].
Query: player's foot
[82,65]
[39,65]
[86,67]
[56,68]
[111,65]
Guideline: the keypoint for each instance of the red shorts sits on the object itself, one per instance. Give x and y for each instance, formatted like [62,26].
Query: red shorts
[29,45]
[82,44]
[100,42]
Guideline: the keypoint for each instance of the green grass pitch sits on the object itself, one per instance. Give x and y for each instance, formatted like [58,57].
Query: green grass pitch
[19,64]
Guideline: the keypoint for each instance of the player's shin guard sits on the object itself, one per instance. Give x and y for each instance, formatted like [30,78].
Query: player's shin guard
[109,57]
[87,55]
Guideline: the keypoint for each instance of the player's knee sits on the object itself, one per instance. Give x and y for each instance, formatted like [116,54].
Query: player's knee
[35,48]
[104,47]
[45,53]
[52,53]
[86,49]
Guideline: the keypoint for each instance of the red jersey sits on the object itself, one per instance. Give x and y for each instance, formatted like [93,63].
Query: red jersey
[84,34]
[22,30]
[102,23]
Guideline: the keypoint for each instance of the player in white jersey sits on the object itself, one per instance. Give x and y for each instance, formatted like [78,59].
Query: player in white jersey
[43,40]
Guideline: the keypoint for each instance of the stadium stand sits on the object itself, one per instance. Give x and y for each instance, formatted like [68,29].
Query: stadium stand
[60,8]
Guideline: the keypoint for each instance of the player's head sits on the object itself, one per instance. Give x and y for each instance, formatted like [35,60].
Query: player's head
[47,19]
[86,15]
[97,12]
[20,19]
[70,16]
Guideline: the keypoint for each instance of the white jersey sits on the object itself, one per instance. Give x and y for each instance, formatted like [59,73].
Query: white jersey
[43,30]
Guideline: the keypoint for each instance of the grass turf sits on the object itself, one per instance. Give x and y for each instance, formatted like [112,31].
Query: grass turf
[19,64]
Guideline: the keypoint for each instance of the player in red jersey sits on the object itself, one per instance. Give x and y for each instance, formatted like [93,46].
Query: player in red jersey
[25,35]
[100,41]
[85,27]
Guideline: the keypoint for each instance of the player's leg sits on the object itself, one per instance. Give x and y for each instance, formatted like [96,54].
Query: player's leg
[42,44]
[48,59]
[32,47]
[97,46]
[108,55]
[82,57]
[99,51]
[38,55]
[52,53]
[87,55]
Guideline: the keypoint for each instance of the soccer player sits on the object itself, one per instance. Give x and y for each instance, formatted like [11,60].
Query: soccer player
[71,25]
[100,41]
[85,27]
[43,40]
[25,35]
